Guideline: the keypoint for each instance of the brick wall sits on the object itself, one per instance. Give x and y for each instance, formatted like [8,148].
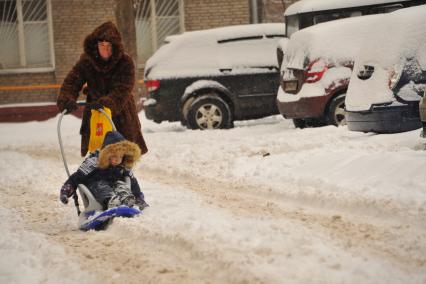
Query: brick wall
[205,14]
[73,20]
[26,95]
[272,11]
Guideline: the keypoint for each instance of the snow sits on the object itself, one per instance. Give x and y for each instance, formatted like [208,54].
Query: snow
[204,181]
[404,42]
[28,257]
[336,41]
[199,53]
[306,6]
[202,84]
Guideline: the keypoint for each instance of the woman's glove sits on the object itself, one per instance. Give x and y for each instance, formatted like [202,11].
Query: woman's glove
[70,106]
[66,192]
[95,106]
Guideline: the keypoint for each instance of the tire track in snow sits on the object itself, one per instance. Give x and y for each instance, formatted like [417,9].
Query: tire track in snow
[151,259]
[401,242]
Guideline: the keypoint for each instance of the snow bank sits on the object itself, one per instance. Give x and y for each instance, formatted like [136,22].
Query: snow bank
[28,257]
[326,167]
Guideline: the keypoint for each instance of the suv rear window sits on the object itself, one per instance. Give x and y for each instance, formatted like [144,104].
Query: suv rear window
[335,16]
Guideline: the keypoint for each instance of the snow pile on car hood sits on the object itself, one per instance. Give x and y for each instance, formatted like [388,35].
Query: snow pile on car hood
[205,52]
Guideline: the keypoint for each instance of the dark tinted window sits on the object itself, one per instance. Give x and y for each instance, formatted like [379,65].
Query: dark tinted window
[335,16]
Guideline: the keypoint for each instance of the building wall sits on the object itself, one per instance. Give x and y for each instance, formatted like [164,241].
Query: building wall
[74,19]
[24,88]
[272,11]
[205,14]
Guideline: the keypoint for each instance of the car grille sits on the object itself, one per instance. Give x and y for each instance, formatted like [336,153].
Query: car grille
[365,72]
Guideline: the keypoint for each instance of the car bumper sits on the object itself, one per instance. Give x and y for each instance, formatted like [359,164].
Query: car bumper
[385,119]
[311,107]
[159,112]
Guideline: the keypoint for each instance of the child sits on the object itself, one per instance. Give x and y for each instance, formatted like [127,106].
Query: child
[104,172]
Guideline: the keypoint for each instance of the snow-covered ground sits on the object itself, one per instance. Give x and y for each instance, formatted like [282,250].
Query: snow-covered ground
[261,203]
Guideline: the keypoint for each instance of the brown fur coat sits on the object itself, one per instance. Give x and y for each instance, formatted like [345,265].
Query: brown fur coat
[109,83]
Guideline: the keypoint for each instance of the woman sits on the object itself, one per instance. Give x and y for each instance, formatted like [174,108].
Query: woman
[110,76]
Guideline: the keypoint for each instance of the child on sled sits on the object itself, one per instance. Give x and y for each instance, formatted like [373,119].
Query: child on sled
[104,172]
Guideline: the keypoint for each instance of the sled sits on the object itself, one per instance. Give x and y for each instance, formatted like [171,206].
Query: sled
[93,216]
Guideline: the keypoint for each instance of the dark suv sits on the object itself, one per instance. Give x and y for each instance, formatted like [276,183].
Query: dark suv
[207,79]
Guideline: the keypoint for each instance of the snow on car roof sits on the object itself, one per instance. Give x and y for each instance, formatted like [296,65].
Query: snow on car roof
[200,52]
[380,37]
[336,41]
[306,6]
[398,36]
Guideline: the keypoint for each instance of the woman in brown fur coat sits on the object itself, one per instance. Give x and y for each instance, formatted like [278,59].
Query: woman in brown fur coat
[110,76]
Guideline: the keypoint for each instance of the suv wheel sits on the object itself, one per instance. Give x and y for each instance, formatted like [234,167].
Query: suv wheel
[336,111]
[209,112]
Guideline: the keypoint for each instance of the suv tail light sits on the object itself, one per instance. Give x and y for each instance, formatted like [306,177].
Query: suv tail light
[394,76]
[315,71]
[152,85]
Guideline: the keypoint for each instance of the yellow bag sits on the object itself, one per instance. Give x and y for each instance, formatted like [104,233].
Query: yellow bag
[99,126]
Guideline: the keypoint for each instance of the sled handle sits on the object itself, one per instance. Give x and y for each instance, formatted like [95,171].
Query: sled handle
[61,146]
[60,136]
[109,118]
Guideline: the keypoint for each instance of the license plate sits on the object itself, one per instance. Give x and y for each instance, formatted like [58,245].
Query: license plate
[290,86]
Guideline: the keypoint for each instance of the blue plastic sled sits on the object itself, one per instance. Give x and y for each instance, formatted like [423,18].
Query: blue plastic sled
[94,217]
[100,220]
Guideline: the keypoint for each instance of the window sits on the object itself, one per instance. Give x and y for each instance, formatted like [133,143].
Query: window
[25,36]
[292,25]
[326,17]
[155,20]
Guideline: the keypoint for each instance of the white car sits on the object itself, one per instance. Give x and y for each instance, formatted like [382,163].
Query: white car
[389,74]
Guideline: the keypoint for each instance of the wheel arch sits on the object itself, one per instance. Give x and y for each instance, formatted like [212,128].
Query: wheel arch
[336,93]
[202,87]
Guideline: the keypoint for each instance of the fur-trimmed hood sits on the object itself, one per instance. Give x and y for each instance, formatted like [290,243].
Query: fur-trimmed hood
[106,32]
[116,144]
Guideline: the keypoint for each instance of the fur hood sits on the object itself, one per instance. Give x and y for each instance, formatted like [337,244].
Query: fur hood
[105,32]
[116,144]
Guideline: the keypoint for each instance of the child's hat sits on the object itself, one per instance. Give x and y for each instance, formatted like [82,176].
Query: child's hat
[116,144]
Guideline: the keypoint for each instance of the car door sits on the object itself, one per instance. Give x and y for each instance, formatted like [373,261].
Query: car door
[250,72]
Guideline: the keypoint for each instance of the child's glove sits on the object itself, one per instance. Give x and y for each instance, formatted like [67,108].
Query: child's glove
[140,202]
[66,192]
